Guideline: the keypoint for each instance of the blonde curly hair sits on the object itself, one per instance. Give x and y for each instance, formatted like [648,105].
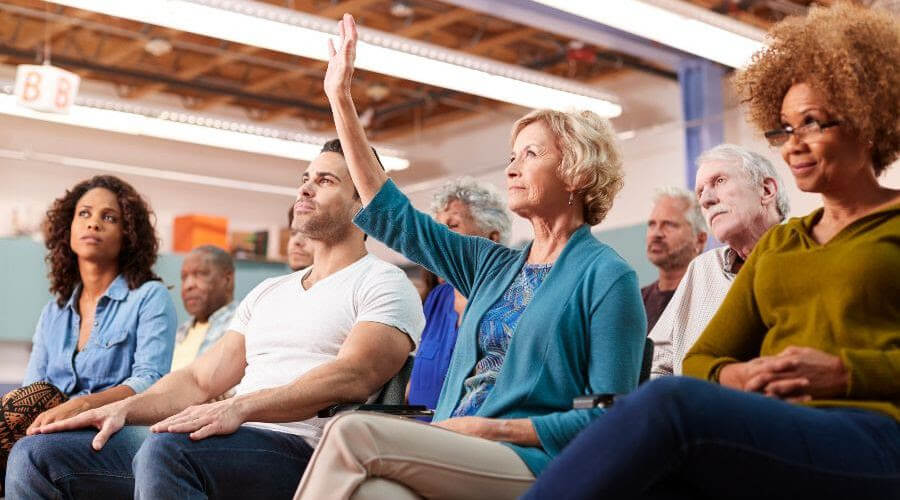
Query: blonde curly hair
[850,54]
[591,160]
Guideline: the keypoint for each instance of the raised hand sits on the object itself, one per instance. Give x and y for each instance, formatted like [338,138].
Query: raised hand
[202,421]
[107,419]
[341,59]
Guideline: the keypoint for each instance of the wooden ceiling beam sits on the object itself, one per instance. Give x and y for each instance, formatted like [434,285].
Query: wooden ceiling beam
[500,41]
[53,29]
[347,6]
[435,23]
[131,47]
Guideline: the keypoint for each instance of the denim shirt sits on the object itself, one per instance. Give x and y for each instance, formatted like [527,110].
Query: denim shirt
[131,342]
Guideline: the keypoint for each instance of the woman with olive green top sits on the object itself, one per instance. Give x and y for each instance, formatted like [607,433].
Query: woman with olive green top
[800,366]
[840,298]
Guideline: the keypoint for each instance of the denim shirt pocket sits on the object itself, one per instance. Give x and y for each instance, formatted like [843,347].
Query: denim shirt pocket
[111,338]
[109,363]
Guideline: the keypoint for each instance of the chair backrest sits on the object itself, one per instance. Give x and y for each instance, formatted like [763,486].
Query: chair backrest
[394,392]
[646,362]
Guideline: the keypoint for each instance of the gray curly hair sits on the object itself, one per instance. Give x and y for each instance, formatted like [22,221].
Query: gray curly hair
[484,202]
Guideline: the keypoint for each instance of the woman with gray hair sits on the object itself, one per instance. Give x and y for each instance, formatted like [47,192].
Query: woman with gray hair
[558,319]
[467,207]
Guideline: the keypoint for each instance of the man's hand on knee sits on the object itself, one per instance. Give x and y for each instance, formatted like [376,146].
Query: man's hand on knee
[202,421]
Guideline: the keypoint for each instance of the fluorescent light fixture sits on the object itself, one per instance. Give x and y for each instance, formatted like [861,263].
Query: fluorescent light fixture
[182,127]
[674,23]
[155,173]
[292,32]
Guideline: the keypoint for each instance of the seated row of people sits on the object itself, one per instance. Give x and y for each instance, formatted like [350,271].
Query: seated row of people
[794,378]
[561,318]
[110,332]
[333,332]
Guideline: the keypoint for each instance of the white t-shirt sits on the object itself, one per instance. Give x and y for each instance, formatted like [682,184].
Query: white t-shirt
[289,330]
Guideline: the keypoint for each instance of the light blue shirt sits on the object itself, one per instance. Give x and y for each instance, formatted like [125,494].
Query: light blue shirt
[131,341]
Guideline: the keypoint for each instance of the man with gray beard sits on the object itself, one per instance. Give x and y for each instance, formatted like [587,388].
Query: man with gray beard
[676,234]
[741,197]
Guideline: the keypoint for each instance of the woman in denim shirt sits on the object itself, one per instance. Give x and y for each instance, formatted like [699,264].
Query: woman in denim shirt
[111,330]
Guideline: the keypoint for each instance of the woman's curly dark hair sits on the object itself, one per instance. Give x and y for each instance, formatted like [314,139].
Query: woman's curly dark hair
[851,54]
[139,242]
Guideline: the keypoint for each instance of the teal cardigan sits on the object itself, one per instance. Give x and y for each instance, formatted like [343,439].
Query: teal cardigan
[582,333]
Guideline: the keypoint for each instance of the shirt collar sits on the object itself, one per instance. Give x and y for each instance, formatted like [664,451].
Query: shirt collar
[221,311]
[117,290]
[731,259]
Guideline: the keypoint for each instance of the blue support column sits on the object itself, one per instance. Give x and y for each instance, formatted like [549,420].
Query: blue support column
[701,100]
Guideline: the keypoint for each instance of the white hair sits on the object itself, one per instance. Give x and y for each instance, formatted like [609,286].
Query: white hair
[692,213]
[756,166]
[485,205]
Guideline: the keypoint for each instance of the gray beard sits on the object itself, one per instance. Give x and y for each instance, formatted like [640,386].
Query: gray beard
[678,259]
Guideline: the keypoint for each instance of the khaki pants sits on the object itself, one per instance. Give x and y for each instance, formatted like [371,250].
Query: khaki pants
[367,456]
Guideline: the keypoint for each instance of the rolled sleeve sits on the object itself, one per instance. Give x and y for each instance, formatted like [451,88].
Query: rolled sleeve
[155,339]
[37,361]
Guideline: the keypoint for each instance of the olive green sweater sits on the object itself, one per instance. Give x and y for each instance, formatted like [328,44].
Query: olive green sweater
[842,298]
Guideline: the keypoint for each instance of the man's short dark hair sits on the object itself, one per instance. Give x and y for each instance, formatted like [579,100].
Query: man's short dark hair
[291,215]
[334,146]
[217,257]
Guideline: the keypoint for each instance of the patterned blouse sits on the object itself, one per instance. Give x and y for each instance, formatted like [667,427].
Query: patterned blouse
[494,333]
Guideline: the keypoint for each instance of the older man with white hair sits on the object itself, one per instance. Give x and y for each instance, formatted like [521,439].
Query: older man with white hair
[741,197]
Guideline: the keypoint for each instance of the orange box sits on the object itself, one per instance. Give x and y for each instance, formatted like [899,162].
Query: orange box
[192,231]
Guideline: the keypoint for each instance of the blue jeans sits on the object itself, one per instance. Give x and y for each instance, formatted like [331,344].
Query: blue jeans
[678,437]
[251,463]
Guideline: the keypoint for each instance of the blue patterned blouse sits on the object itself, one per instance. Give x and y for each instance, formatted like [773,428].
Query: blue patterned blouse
[494,334]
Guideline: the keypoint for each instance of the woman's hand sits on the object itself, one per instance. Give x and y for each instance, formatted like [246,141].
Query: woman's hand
[796,374]
[814,374]
[517,430]
[753,375]
[471,426]
[340,60]
[66,410]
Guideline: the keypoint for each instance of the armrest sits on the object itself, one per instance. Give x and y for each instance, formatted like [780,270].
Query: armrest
[401,410]
[594,401]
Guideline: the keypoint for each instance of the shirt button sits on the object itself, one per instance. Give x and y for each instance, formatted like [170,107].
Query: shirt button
[96,323]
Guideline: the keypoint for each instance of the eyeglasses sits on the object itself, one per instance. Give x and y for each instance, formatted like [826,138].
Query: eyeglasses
[810,130]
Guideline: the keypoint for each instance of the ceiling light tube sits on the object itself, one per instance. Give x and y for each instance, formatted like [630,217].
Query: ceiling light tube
[194,129]
[292,32]
[155,173]
[674,23]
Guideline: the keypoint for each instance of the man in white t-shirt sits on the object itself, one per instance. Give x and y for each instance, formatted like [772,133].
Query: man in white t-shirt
[334,332]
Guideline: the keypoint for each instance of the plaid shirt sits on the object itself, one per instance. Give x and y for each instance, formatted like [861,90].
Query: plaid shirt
[697,298]
[218,325]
